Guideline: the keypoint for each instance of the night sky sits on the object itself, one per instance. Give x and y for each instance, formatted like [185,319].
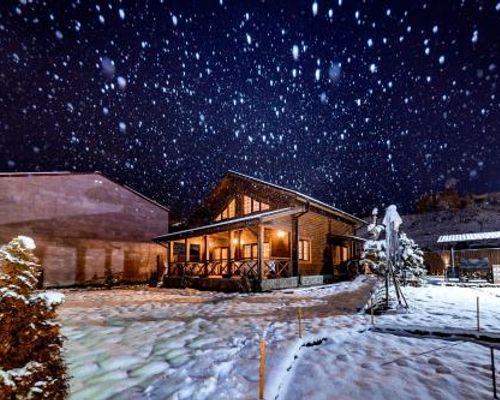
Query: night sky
[357,103]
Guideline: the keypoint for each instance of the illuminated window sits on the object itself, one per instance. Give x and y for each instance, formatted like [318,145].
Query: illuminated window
[251,205]
[228,212]
[304,250]
[344,254]
[250,251]
[247,205]
[267,250]
[255,205]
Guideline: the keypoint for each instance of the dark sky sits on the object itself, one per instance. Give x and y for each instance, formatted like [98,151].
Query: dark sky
[357,103]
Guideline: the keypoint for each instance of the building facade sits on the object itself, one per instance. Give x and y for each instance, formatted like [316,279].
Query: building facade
[250,228]
[87,227]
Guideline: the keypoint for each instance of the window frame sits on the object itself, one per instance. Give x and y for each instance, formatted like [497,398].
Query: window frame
[302,242]
[252,206]
[228,212]
[266,251]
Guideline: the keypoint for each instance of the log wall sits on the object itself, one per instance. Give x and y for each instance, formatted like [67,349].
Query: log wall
[316,227]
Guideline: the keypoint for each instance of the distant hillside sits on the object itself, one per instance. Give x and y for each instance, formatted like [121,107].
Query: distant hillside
[448,213]
[470,213]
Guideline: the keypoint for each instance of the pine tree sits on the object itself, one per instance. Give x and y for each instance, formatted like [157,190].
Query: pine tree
[410,268]
[412,260]
[31,363]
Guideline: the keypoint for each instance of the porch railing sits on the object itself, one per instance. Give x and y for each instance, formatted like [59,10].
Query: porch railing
[271,268]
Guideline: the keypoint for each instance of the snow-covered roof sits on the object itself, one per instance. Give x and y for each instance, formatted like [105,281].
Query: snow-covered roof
[300,195]
[469,237]
[73,173]
[225,224]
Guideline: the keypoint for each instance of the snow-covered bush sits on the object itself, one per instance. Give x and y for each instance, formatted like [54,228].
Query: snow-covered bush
[408,259]
[412,260]
[31,364]
[410,267]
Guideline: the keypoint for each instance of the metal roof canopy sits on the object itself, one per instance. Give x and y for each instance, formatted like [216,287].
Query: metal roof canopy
[469,237]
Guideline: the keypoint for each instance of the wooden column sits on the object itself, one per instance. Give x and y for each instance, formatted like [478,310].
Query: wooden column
[206,254]
[260,252]
[231,253]
[169,272]
[294,246]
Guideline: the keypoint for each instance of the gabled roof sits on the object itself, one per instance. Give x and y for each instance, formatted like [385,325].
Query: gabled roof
[469,237]
[231,223]
[300,196]
[70,173]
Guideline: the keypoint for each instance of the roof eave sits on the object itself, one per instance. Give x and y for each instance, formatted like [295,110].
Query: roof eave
[236,223]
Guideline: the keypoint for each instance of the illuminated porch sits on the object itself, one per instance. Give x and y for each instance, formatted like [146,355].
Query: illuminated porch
[262,246]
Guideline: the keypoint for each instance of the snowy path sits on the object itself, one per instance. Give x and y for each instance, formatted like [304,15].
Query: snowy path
[354,363]
[184,344]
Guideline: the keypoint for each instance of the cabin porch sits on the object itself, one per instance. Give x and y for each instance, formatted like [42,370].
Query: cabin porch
[256,253]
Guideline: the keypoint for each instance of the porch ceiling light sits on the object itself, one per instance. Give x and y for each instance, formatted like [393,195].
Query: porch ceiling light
[281,234]
[235,241]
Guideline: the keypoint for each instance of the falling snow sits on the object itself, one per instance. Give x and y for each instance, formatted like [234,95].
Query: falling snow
[304,94]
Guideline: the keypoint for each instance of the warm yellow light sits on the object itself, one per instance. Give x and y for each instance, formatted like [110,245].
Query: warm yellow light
[235,241]
[281,234]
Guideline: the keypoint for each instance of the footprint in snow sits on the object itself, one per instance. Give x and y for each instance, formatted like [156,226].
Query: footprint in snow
[442,369]
[435,361]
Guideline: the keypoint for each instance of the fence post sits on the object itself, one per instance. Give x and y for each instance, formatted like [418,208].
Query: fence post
[493,373]
[262,368]
[477,304]
[371,310]
[299,315]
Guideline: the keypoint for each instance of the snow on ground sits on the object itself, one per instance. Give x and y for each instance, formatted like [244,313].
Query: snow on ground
[185,344]
[355,363]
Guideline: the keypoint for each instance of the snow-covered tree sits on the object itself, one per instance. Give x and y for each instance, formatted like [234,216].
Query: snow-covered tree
[374,254]
[410,266]
[412,260]
[31,364]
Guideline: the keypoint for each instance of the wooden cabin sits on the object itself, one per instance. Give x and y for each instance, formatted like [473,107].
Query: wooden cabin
[86,226]
[250,228]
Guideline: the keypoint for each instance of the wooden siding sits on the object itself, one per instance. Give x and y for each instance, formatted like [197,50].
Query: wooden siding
[316,227]
[235,187]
